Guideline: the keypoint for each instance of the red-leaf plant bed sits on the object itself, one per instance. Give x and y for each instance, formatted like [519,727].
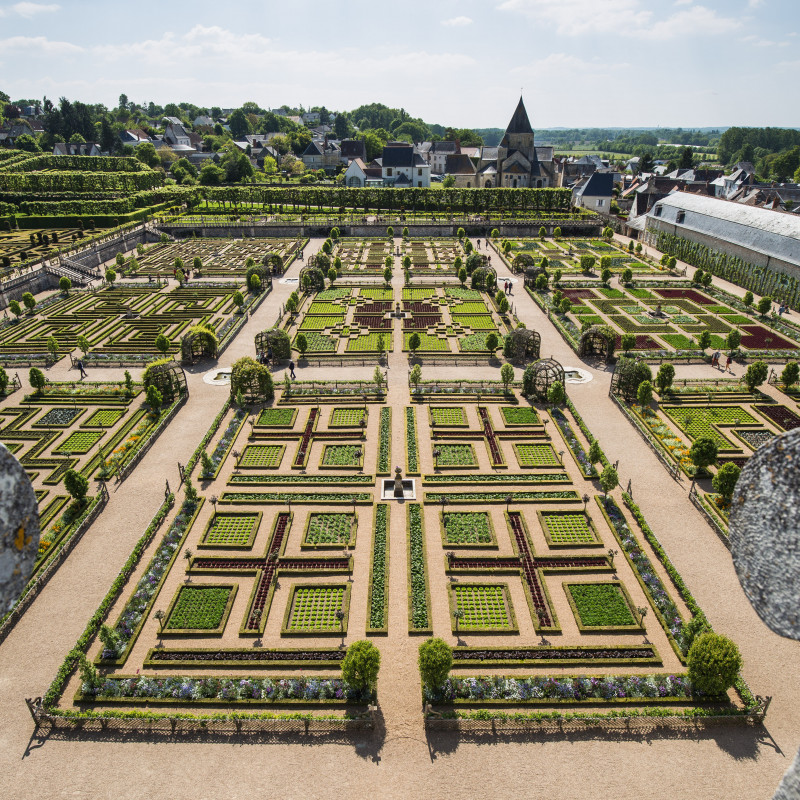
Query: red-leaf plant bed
[377,307]
[781,416]
[755,338]
[420,308]
[576,295]
[422,322]
[488,430]
[372,321]
[643,342]
[300,459]
[686,294]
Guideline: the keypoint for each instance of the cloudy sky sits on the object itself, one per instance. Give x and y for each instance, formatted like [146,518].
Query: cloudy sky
[455,62]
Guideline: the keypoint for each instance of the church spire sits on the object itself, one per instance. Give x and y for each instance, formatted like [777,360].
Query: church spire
[519,122]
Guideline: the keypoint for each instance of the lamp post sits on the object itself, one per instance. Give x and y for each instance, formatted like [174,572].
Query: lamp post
[509,498]
[436,453]
[561,457]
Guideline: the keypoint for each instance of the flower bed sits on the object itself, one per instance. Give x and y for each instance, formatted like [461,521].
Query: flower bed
[456,455]
[465,528]
[330,529]
[419,599]
[384,441]
[485,607]
[231,530]
[780,415]
[229,690]
[587,468]
[600,605]
[199,608]
[515,690]
[312,609]
[522,415]
[412,452]
[501,497]
[378,596]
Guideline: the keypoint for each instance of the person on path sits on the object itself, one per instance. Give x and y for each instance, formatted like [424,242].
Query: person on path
[728,364]
[79,365]
[291,370]
[269,356]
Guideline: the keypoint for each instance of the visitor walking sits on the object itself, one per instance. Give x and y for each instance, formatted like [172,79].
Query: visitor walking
[291,370]
[728,360]
[79,365]
[269,356]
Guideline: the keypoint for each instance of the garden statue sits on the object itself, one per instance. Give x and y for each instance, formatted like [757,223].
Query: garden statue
[398,482]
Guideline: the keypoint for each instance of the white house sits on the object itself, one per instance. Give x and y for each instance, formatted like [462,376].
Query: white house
[401,166]
[595,193]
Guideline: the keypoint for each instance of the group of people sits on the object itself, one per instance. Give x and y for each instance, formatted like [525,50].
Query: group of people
[723,362]
[507,287]
[268,360]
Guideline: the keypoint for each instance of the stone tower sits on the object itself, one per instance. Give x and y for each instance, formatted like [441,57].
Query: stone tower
[519,134]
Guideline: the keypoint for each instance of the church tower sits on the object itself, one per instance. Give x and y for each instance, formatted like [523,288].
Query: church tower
[519,134]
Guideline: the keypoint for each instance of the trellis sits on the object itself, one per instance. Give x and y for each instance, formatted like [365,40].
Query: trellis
[539,377]
[253,380]
[168,378]
[628,374]
[525,345]
[275,339]
[197,343]
[597,340]
[312,279]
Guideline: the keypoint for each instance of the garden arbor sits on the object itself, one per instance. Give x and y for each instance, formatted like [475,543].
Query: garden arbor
[522,262]
[628,374]
[168,377]
[253,380]
[524,346]
[597,340]
[532,272]
[197,342]
[274,263]
[539,377]
[275,339]
[312,279]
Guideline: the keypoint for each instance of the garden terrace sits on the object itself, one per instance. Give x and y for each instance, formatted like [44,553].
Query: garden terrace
[121,323]
[221,258]
[433,256]
[345,320]
[362,256]
[667,321]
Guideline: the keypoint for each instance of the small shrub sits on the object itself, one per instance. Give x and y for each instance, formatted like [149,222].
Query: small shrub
[714,662]
[435,661]
[361,664]
[76,484]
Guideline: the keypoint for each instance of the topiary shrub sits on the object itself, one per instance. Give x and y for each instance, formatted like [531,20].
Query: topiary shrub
[714,662]
[435,662]
[361,664]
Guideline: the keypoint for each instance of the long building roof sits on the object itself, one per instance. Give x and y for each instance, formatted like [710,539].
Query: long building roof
[763,230]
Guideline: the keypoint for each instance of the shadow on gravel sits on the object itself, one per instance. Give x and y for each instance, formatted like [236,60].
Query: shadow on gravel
[741,742]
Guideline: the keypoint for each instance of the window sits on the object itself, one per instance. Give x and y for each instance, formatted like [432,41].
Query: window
[600,203]
[658,211]
[388,172]
[681,217]
[419,171]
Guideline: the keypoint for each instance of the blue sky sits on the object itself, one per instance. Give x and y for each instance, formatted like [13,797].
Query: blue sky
[579,62]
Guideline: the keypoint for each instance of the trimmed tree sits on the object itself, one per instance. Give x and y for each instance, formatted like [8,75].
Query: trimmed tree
[628,341]
[556,395]
[435,662]
[162,343]
[332,275]
[416,376]
[28,301]
[506,374]
[492,342]
[627,275]
[644,394]
[703,453]
[76,484]
[595,452]
[565,306]
[790,374]
[52,347]
[111,276]
[733,339]
[154,398]
[361,664]
[664,378]
[724,481]
[37,379]
[65,284]
[748,299]
[414,342]
[387,274]
[704,340]
[755,375]
[764,305]
[714,662]
[16,308]
[609,480]
[238,300]
[301,343]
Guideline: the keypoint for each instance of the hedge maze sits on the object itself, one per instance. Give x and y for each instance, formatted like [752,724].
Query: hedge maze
[121,323]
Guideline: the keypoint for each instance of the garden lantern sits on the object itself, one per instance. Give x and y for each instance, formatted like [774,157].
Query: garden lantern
[585,501]
[436,453]
[561,457]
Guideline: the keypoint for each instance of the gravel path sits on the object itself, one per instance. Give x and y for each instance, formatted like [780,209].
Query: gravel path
[724,762]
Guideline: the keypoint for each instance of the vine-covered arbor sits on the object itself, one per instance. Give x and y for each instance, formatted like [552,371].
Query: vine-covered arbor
[199,341]
[273,339]
[252,380]
[168,377]
[539,377]
[484,278]
[274,263]
[532,273]
[524,345]
[628,374]
[597,340]
[312,279]
[522,261]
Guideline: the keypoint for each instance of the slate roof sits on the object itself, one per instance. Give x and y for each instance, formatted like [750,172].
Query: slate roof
[444,147]
[599,184]
[458,164]
[398,157]
[764,231]
[519,122]
[353,148]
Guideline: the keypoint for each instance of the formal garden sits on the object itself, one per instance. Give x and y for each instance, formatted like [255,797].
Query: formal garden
[126,323]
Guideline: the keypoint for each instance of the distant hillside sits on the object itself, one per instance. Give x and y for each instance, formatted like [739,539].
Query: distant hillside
[491,136]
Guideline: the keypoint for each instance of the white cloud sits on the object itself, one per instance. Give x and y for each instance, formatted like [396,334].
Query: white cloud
[457,22]
[683,2]
[754,3]
[564,66]
[39,44]
[630,17]
[29,10]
